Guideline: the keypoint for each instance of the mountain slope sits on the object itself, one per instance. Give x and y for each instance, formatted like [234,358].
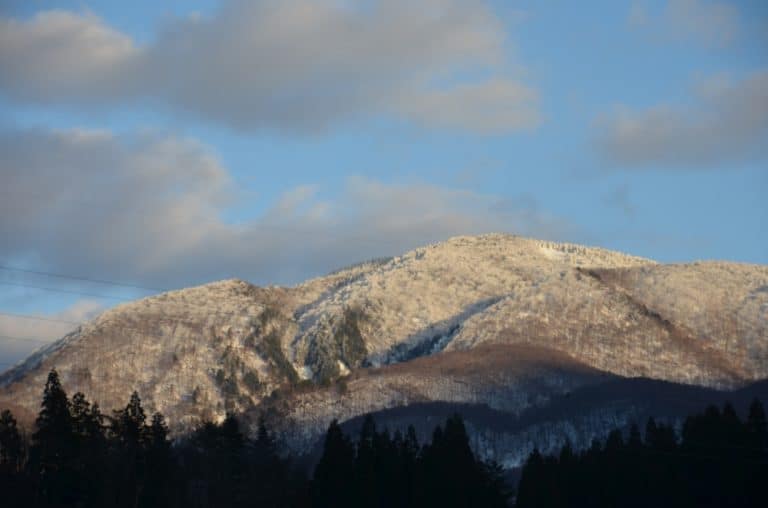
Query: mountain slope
[499,320]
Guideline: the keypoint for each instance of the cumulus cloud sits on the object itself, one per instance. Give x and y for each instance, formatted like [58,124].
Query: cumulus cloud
[725,123]
[492,106]
[60,55]
[707,22]
[294,65]
[149,209]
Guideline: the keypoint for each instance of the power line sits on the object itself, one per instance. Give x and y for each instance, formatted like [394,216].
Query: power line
[166,318]
[57,290]
[39,318]
[80,278]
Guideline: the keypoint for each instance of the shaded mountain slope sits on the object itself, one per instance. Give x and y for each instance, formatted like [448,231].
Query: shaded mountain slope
[579,416]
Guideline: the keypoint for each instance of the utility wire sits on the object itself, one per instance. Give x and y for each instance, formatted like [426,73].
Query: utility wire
[57,290]
[175,318]
[39,318]
[74,277]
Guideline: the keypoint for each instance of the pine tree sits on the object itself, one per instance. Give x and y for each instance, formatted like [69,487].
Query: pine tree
[366,473]
[129,429]
[756,430]
[532,481]
[156,491]
[53,425]
[331,481]
[495,493]
[10,443]
[158,433]
[14,489]
[131,422]
[409,481]
[79,409]
[269,466]
[452,476]
[53,446]
[756,426]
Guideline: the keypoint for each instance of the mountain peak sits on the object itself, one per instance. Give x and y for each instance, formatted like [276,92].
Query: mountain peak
[230,346]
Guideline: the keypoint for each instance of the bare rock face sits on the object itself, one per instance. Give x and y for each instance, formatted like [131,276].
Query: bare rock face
[505,322]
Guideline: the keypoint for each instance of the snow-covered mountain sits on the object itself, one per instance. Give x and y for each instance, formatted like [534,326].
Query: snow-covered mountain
[492,323]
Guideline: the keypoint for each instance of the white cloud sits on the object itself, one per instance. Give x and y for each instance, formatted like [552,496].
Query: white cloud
[725,124]
[294,65]
[58,54]
[707,22]
[148,210]
[21,336]
[491,106]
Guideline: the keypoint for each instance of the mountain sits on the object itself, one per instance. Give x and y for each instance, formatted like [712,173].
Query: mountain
[498,326]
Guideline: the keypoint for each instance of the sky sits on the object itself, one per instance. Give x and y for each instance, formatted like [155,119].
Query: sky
[160,145]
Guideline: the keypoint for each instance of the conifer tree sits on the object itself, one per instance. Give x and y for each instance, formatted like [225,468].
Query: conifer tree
[53,446]
[129,429]
[158,433]
[366,473]
[156,491]
[10,443]
[131,422]
[532,480]
[53,425]
[331,481]
[756,426]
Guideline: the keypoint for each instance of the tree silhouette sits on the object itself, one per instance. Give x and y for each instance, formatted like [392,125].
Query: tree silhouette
[366,467]
[130,433]
[158,463]
[10,443]
[713,464]
[757,428]
[331,481]
[387,471]
[53,447]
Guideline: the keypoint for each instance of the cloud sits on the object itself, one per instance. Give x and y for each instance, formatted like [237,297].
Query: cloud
[710,23]
[489,107]
[296,65]
[726,124]
[21,336]
[148,209]
[60,55]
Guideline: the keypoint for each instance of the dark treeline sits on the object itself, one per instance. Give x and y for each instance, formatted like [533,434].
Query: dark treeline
[719,460]
[79,457]
[394,470]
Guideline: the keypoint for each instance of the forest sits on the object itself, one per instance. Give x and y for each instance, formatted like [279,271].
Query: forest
[78,457]
[717,460]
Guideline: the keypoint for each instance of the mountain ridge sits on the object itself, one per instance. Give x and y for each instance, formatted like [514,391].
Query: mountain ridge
[505,303]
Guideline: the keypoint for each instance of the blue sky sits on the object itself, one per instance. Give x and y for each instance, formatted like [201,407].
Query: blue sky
[166,144]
